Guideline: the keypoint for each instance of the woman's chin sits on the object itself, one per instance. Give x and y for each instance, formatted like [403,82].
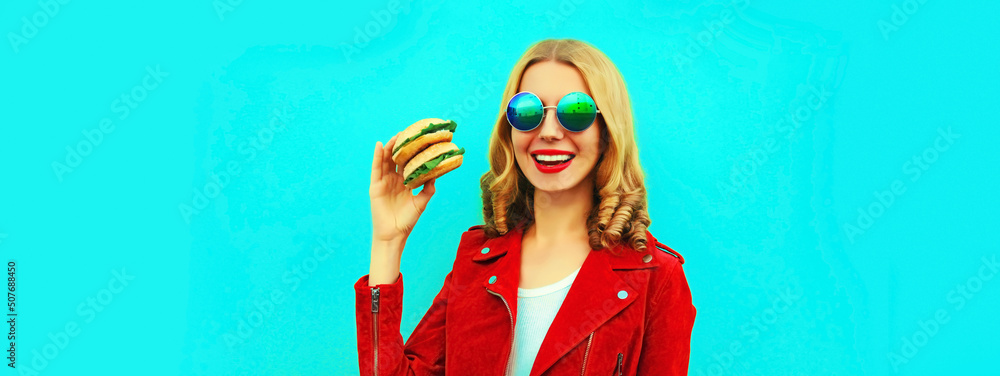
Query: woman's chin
[549,189]
[561,181]
[553,183]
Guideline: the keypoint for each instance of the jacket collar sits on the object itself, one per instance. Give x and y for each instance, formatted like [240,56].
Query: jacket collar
[597,293]
[622,258]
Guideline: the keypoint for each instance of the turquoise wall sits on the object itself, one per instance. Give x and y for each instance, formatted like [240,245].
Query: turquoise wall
[184,184]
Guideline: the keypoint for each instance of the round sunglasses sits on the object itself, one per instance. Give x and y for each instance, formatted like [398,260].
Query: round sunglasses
[576,111]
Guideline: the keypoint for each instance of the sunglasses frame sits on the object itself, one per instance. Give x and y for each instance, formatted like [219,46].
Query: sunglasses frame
[545,111]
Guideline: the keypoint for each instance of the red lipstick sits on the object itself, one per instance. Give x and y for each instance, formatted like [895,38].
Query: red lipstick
[549,167]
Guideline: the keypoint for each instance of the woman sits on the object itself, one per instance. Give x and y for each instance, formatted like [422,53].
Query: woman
[563,278]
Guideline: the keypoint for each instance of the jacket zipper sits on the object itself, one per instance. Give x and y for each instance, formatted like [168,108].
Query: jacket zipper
[586,354]
[618,370]
[511,316]
[375,304]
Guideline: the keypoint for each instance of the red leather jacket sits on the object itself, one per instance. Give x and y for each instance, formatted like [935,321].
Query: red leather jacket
[627,313]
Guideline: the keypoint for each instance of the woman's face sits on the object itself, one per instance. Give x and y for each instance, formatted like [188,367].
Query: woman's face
[551,81]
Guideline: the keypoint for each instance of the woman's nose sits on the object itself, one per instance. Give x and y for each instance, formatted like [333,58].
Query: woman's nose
[550,127]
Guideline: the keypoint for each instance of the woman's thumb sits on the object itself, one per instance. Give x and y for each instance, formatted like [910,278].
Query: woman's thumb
[425,194]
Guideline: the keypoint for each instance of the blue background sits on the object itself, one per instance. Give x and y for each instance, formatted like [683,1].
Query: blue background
[271,111]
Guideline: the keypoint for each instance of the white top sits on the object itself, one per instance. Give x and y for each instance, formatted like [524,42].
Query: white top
[536,308]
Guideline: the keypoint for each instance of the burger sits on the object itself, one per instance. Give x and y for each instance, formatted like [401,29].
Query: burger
[426,152]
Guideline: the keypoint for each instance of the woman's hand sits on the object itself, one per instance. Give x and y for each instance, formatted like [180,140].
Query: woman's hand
[395,209]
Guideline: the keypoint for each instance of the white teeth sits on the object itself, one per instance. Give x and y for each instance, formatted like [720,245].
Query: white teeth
[553,158]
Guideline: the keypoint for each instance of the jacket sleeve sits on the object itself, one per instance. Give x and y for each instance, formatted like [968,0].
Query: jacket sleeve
[380,346]
[666,344]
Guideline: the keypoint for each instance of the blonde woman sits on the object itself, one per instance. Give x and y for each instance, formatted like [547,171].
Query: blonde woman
[563,278]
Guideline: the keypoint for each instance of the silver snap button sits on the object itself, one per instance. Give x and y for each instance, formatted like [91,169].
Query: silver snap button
[493,279]
[622,294]
[485,250]
[647,258]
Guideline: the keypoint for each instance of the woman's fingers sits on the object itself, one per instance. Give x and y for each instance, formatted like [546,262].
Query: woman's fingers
[388,167]
[392,141]
[377,163]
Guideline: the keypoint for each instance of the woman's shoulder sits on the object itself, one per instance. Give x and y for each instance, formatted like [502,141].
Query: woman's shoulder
[475,228]
[477,243]
[479,246]
[664,265]
[655,254]
[661,263]
[474,235]
[476,251]
[664,252]
[669,260]
[474,240]
[671,263]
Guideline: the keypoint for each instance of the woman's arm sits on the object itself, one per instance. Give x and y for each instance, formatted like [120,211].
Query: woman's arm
[379,295]
[385,260]
[380,346]
[666,344]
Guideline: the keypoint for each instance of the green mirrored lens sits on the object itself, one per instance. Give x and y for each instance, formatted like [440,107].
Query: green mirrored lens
[576,111]
[524,111]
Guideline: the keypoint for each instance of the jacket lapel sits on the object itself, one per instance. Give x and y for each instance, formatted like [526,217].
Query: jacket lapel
[597,294]
[503,276]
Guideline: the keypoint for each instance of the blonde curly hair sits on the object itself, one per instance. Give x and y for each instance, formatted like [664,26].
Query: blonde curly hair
[619,211]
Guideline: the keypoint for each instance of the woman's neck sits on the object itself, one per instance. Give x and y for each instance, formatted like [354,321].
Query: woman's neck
[561,217]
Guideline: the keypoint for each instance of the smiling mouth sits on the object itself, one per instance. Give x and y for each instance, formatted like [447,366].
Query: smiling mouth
[553,160]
